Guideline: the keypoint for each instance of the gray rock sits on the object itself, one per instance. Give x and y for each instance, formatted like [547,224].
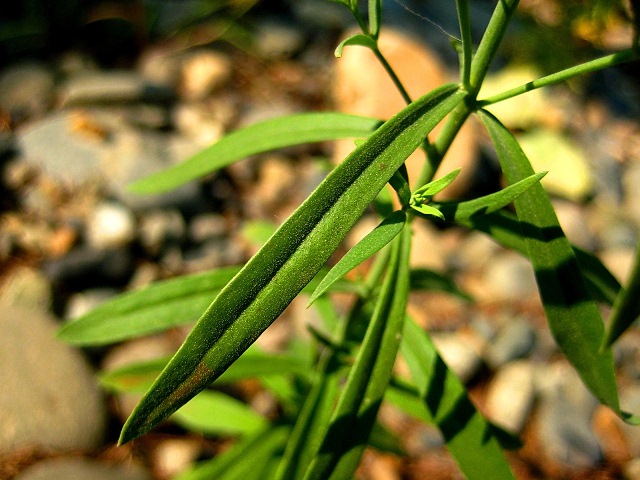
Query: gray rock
[510,396]
[565,417]
[509,277]
[82,303]
[207,226]
[49,396]
[112,86]
[515,340]
[53,146]
[574,224]
[84,268]
[111,225]
[82,469]
[277,39]
[26,89]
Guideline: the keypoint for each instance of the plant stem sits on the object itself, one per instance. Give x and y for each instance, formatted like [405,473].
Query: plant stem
[392,74]
[490,42]
[437,150]
[465,34]
[563,75]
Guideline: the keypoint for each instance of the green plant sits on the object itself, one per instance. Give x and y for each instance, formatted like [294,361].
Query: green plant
[329,411]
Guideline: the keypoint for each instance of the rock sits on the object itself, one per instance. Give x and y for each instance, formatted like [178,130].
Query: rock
[276,39]
[199,123]
[631,469]
[175,455]
[85,268]
[619,261]
[207,226]
[49,396]
[510,396]
[160,65]
[478,250]
[110,226]
[82,303]
[203,72]
[630,402]
[564,418]
[515,340]
[420,71]
[574,224]
[26,288]
[630,182]
[569,172]
[509,277]
[82,469]
[26,89]
[111,87]
[459,355]
[57,146]
[161,227]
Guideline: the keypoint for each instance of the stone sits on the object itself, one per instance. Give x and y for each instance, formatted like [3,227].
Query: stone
[198,123]
[515,340]
[26,89]
[111,225]
[459,355]
[630,182]
[574,224]
[26,288]
[203,72]
[49,396]
[619,261]
[111,87]
[510,396]
[569,171]
[175,455]
[630,402]
[76,468]
[81,303]
[207,226]
[565,418]
[420,71]
[508,277]
[84,268]
[276,39]
[161,227]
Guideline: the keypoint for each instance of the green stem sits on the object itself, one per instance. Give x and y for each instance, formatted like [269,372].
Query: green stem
[490,42]
[391,72]
[438,149]
[558,77]
[465,33]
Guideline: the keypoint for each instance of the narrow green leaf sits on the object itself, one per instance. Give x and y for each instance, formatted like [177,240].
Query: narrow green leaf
[626,308]
[357,39]
[138,377]
[369,376]
[459,211]
[428,210]
[574,318]
[400,183]
[432,188]
[469,437]
[258,138]
[384,440]
[214,413]
[375,240]
[154,308]
[251,454]
[375,17]
[257,295]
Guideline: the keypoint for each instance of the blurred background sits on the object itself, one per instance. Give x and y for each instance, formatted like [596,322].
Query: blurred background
[95,94]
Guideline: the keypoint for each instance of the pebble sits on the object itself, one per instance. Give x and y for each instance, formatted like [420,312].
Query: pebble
[26,89]
[565,416]
[276,39]
[84,268]
[515,340]
[574,224]
[173,456]
[203,72]
[508,277]
[510,396]
[198,123]
[76,468]
[619,261]
[159,228]
[110,87]
[49,396]
[110,226]
[27,288]
[81,303]
[207,226]
[459,355]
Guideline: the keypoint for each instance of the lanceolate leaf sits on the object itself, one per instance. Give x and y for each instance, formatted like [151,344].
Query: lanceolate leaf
[157,307]
[469,437]
[370,244]
[574,318]
[289,260]
[258,138]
